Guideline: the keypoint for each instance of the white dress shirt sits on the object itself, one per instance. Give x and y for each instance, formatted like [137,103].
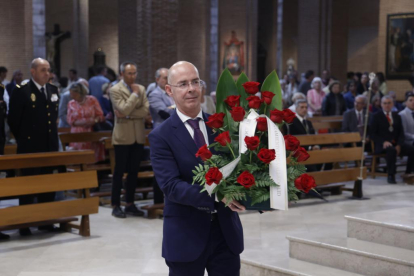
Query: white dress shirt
[39,87]
[201,123]
[362,116]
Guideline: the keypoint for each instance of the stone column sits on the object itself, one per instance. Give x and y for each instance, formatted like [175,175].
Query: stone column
[80,36]
[214,44]
[39,28]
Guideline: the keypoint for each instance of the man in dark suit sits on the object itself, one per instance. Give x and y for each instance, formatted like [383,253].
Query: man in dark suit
[354,119]
[199,233]
[32,119]
[300,126]
[388,134]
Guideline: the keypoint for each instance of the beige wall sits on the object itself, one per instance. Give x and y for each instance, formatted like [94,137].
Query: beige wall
[363,35]
[16,36]
[389,7]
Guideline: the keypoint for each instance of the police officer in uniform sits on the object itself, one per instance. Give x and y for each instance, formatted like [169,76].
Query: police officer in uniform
[33,121]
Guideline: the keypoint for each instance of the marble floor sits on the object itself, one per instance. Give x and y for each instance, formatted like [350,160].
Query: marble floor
[133,246]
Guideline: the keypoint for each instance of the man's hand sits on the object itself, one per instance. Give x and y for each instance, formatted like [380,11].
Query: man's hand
[135,88]
[235,206]
[398,149]
[386,144]
[119,114]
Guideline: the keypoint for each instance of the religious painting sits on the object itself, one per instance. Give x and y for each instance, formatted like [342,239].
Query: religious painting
[233,58]
[400,46]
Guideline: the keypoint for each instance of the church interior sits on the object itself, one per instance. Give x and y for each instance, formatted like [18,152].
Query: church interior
[71,203]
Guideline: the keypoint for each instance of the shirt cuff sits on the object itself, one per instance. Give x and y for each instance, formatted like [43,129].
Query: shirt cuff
[135,94]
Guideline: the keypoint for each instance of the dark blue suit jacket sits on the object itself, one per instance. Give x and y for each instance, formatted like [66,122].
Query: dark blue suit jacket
[187,212]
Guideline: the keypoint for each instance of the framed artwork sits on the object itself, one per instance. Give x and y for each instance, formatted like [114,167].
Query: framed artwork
[400,46]
[233,58]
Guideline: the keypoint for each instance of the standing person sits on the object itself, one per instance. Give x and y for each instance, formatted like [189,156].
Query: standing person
[305,84]
[334,103]
[96,82]
[161,105]
[16,80]
[199,233]
[315,97]
[84,112]
[3,75]
[73,76]
[363,84]
[350,95]
[388,135]
[32,120]
[131,108]
[207,103]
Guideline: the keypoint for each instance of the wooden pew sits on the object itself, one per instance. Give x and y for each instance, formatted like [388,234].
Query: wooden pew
[94,137]
[61,212]
[330,125]
[325,118]
[329,138]
[10,149]
[334,155]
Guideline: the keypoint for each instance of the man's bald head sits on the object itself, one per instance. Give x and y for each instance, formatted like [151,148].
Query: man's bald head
[38,61]
[177,68]
[40,71]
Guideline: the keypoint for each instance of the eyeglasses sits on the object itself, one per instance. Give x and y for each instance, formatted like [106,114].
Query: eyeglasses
[185,85]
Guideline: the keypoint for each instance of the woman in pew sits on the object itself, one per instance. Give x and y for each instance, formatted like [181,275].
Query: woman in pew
[84,112]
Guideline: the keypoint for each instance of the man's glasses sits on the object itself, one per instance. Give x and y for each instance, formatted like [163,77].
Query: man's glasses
[186,85]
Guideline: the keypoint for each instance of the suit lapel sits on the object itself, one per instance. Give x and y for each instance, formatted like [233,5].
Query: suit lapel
[182,134]
[211,136]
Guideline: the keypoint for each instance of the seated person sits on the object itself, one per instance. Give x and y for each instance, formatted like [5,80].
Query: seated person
[334,103]
[407,117]
[388,135]
[350,95]
[83,113]
[354,119]
[397,106]
[301,126]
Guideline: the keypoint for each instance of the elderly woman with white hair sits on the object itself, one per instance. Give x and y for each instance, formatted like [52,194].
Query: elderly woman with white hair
[315,97]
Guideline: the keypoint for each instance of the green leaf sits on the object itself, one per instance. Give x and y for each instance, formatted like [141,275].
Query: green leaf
[272,84]
[225,87]
[243,95]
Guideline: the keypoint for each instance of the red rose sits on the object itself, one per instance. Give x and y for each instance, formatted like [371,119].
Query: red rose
[223,138]
[261,124]
[237,113]
[215,120]
[267,97]
[292,143]
[276,116]
[204,153]
[232,101]
[254,102]
[301,154]
[213,175]
[267,155]
[288,115]
[251,87]
[305,183]
[252,142]
[246,179]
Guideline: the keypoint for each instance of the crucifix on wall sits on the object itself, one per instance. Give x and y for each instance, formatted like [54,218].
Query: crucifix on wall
[53,41]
